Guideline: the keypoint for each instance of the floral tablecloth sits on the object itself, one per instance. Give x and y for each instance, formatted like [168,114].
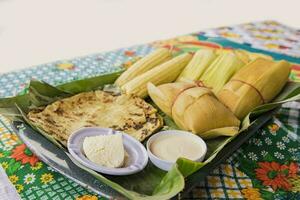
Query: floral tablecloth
[266,167]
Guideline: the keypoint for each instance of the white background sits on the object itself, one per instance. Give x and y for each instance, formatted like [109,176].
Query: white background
[38,31]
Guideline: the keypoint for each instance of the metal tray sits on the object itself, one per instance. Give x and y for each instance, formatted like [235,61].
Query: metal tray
[58,159]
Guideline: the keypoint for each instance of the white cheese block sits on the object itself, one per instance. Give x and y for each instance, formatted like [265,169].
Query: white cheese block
[105,150]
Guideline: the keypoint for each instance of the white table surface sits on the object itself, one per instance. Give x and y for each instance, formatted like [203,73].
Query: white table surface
[7,190]
[37,31]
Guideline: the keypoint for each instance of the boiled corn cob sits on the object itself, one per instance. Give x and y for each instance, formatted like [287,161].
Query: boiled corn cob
[148,62]
[164,73]
[196,67]
[221,70]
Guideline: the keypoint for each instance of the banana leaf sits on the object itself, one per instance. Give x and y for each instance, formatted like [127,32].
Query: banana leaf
[150,183]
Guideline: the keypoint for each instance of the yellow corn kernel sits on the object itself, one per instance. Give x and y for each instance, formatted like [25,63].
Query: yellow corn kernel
[164,73]
[197,66]
[146,63]
[221,70]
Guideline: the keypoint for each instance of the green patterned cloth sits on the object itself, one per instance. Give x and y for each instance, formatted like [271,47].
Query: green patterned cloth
[266,167]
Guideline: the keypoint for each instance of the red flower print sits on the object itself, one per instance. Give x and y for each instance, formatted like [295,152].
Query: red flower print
[275,175]
[284,47]
[129,53]
[21,153]
[293,169]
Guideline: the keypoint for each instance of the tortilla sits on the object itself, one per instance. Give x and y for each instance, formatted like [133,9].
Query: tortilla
[123,112]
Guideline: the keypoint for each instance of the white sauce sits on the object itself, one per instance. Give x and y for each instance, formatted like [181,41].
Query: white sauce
[170,147]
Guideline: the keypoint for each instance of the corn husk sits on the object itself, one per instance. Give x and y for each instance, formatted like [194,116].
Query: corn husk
[247,56]
[144,64]
[197,66]
[255,84]
[242,55]
[164,95]
[194,109]
[221,70]
[164,73]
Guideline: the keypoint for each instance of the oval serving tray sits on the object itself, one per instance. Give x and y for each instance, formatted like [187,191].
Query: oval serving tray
[59,160]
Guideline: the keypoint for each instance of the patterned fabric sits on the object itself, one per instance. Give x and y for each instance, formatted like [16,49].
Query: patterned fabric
[224,182]
[68,70]
[266,167]
[267,35]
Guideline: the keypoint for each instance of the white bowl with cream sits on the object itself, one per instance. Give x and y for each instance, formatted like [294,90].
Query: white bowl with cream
[165,147]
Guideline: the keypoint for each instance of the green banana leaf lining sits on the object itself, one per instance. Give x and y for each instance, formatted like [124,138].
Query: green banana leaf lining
[150,183]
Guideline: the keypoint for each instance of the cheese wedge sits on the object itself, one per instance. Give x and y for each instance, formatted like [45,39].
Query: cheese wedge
[105,150]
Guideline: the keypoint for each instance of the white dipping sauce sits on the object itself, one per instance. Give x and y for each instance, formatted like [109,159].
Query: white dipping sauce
[170,147]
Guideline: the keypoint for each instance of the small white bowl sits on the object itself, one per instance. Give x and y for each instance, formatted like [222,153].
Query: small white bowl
[167,165]
[137,154]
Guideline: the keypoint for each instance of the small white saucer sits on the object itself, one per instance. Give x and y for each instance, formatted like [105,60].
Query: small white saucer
[137,154]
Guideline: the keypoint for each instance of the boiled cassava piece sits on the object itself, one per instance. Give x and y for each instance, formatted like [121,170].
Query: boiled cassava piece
[255,84]
[126,113]
[194,108]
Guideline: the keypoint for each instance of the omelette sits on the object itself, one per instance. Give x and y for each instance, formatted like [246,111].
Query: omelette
[122,112]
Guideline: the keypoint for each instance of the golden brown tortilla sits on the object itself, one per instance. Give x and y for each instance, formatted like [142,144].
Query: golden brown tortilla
[122,112]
